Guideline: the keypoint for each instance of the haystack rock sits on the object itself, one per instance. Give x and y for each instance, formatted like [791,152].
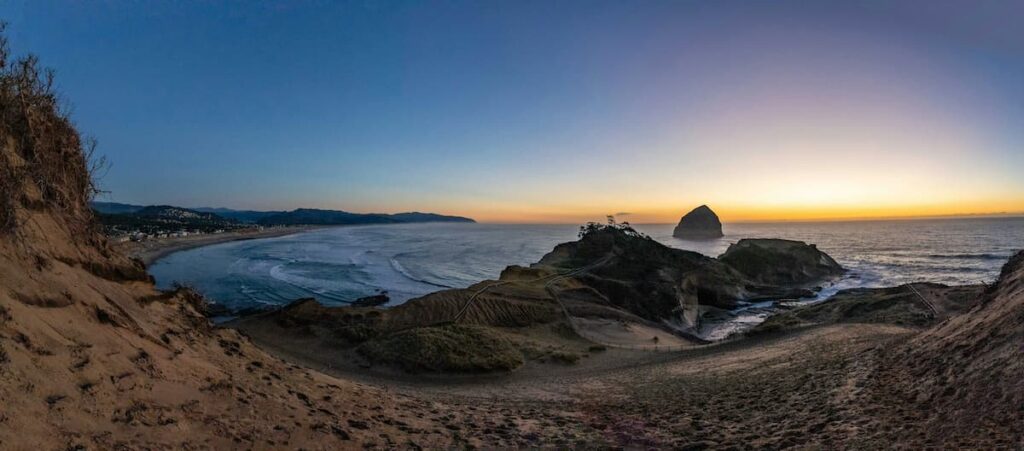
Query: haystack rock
[701,224]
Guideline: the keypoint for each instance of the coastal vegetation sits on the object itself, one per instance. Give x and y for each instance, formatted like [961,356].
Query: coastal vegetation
[45,153]
[450,348]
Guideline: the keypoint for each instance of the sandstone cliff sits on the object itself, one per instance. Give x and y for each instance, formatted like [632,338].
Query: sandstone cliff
[92,356]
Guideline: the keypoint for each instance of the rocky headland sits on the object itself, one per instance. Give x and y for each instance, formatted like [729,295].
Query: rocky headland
[780,262]
[583,293]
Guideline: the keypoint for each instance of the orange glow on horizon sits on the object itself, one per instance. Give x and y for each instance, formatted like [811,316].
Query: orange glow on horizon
[749,213]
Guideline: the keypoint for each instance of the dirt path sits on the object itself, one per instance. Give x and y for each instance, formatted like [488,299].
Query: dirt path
[796,389]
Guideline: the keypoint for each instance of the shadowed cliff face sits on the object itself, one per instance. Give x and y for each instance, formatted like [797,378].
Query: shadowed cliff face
[660,283]
[645,277]
[780,262]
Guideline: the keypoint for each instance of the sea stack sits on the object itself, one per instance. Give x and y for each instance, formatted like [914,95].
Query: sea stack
[699,224]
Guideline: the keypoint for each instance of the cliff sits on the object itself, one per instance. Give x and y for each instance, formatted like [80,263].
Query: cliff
[92,356]
[657,282]
[780,262]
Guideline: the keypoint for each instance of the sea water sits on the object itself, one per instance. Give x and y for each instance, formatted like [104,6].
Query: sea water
[339,265]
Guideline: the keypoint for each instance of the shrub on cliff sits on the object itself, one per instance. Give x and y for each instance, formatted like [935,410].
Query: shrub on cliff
[452,348]
[44,162]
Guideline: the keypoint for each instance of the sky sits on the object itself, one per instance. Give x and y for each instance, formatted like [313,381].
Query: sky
[541,111]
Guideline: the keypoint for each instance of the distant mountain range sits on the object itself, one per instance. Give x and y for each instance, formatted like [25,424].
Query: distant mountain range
[114,208]
[301,216]
[246,216]
[156,219]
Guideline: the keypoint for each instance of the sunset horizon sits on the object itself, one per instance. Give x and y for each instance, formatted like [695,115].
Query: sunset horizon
[539,112]
[511,224]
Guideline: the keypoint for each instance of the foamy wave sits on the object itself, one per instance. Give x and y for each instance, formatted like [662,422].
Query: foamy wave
[970,256]
[278,273]
[404,272]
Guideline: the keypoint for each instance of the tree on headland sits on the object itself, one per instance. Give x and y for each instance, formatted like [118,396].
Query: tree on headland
[611,225]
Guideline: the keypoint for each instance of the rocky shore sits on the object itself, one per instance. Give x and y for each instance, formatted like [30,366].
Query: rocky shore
[614,287]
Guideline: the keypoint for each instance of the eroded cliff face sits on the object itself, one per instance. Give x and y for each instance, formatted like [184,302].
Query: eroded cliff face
[91,358]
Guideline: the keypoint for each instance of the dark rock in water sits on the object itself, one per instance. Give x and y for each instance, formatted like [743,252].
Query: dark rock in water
[701,223]
[372,301]
[780,262]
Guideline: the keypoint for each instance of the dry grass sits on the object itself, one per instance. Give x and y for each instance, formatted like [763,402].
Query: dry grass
[192,297]
[452,348]
[45,163]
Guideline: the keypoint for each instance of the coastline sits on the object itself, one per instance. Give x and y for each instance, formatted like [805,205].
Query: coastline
[151,251]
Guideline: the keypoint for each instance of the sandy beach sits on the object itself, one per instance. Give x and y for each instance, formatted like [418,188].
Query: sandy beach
[152,250]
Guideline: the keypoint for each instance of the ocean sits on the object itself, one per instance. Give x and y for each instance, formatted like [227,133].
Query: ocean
[339,265]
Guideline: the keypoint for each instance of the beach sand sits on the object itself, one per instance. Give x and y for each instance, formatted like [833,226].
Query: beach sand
[153,250]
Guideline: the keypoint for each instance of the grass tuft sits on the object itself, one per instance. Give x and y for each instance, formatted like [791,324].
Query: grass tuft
[450,348]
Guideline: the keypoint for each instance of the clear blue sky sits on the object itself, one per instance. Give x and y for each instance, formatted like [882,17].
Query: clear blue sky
[547,111]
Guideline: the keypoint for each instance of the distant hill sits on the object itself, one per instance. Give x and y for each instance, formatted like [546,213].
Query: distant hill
[310,216]
[114,208]
[171,213]
[301,216]
[164,218]
[246,216]
[416,216]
